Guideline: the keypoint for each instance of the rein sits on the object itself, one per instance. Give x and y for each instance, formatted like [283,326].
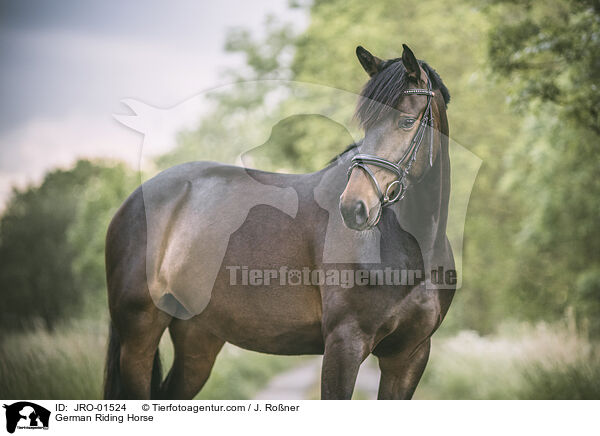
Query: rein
[402,168]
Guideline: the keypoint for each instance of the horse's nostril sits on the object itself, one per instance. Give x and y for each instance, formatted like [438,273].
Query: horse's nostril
[360,213]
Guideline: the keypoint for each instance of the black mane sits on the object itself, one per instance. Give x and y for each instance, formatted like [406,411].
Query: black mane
[383,91]
[436,82]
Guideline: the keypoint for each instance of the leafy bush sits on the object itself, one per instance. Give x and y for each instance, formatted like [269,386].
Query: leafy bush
[52,243]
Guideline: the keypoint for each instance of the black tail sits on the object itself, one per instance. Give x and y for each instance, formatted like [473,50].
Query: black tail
[113,386]
[112,370]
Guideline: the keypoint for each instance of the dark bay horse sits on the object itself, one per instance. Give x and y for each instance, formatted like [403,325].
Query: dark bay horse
[380,206]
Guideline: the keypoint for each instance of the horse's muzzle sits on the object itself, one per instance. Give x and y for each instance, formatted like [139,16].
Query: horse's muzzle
[355,215]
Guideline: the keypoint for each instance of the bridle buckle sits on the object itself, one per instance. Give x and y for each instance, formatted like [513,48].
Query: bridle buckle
[386,197]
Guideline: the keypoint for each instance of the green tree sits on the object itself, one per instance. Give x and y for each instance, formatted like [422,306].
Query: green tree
[550,52]
[100,200]
[37,279]
[239,107]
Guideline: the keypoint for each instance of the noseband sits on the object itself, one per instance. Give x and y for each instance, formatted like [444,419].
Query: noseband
[402,168]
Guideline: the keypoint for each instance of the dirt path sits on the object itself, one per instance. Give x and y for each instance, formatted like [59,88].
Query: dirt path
[302,382]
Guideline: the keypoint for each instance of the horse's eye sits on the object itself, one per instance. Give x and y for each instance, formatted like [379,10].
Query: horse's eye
[406,123]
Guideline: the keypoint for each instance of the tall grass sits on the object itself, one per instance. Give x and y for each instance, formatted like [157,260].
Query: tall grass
[579,380]
[64,364]
[68,363]
[520,361]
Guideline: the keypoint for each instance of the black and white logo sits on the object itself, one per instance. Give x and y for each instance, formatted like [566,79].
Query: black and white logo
[26,415]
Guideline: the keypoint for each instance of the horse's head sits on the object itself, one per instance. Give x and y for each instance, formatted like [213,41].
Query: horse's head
[399,109]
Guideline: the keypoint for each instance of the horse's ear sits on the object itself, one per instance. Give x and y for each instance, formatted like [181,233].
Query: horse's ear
[410,63]
[370,63]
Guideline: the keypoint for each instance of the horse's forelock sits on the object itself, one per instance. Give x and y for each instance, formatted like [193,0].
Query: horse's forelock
[381,93]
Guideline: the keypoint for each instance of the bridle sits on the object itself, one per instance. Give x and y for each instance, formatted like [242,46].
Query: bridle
[402,168]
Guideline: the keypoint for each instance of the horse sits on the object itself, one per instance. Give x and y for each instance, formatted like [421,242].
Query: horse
[390,195]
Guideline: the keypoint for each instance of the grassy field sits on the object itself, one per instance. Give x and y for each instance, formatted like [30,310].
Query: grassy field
[519,361]
[68,364]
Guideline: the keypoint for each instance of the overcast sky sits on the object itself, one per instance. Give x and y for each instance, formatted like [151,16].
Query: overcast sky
[65,65]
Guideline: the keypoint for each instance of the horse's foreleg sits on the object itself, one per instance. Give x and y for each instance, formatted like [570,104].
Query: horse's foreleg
[195,352]
[401,372]
[345,349]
